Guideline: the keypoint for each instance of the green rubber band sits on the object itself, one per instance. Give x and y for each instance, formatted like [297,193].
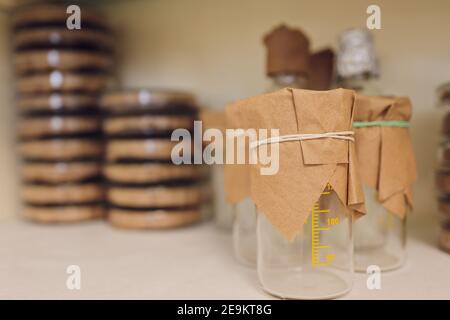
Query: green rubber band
[381,123]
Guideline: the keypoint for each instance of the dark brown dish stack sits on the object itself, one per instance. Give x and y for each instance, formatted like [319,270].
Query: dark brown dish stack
[60,74]
[146,190]
[443,174]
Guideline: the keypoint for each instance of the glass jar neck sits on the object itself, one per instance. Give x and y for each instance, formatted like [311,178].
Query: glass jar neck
[363,83]
[291,80]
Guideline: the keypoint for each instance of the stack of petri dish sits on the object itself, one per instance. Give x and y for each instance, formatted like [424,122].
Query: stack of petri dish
[146,189]
[443,173]
[60,74]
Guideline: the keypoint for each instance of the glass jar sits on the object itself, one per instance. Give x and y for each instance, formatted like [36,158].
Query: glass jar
[288,80]
[223,216]
[318,263]
[366,84]
[380,236]
[244,232]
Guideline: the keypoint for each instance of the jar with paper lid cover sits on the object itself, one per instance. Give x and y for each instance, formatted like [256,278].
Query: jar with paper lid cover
[287,66]
[287,58]
[388,171]
[380,237]
[305,210]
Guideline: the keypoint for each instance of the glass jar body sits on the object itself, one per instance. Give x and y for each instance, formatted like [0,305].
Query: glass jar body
[317,263]
[223,216]
[366,84]
[244,232]
[380,237]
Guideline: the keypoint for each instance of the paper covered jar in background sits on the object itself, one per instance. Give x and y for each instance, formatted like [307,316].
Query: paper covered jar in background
[388,171]
[287,58]
[306,209]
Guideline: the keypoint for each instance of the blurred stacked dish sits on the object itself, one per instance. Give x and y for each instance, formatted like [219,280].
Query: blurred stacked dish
[443,173]
[60,75]
[146,190]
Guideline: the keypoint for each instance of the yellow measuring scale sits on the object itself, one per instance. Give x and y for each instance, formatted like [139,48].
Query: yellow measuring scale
[331,246]
[320,252]
[317,263]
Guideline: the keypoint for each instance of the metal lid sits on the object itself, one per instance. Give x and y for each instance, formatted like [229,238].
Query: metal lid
[356,54]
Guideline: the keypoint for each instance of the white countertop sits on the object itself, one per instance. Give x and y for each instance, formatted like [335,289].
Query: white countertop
[190,263]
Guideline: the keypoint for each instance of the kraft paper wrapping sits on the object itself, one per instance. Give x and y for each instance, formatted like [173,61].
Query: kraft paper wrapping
[385,154]
[305,167]
[321,70]
[287,51]
[236,176]
[213,119]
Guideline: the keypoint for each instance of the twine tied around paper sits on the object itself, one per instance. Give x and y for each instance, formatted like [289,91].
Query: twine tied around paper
[341,135]
[381,123]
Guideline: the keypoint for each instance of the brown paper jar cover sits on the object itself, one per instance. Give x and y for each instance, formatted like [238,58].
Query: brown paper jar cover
[321,69]
[236,176]
[305,167]
[385,154]
[213,120]
[287,51]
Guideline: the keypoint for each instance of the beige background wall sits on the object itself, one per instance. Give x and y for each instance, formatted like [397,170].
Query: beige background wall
[214,48]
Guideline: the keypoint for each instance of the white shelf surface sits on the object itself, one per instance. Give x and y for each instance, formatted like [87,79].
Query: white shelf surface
[190,263]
